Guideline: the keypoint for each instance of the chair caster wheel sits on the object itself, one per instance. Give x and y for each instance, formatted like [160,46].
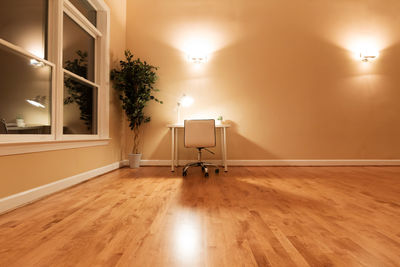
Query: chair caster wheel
[202,169]
[216,171]
[206,175]
[184,173]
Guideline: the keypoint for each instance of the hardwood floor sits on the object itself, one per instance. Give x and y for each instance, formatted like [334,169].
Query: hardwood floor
[250,216]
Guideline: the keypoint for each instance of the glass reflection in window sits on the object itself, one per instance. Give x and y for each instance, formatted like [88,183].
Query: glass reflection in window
[80,107]
[25,94]
[78,50]
[86,9]
[24,23]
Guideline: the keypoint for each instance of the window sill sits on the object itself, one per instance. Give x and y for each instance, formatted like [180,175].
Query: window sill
[13,148]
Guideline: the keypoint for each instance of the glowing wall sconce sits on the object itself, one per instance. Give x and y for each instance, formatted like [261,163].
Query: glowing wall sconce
[197,58]
[184,101]
[369,55]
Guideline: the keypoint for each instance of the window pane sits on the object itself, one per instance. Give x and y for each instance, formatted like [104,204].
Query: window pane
[24,23]
[86,9]
[78,52]
[80,107]
[25,94]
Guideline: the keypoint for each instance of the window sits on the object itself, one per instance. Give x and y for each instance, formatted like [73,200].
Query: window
[55,74]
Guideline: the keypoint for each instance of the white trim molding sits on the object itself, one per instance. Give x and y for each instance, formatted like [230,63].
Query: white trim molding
[283,162]
[20,199]
[80,19]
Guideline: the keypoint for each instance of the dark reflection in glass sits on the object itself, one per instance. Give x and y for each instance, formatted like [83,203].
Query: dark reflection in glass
[24,23]
[80,107]
[79,65]
[25,94]
[86,9]
[76,40]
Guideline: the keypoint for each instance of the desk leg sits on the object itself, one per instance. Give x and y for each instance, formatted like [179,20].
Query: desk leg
[176,147]
[172,149]
[224,147]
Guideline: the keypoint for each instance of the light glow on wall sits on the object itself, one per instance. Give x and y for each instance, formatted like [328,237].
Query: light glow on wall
[37,50]
[198,42]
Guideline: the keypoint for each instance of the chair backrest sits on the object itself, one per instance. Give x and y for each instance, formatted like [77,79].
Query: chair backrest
[3,127]
[199,133]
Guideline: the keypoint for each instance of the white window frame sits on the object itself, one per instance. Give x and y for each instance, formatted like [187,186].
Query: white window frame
[27,143]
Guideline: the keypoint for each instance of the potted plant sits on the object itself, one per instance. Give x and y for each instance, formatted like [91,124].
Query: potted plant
[135,81]
[20,120]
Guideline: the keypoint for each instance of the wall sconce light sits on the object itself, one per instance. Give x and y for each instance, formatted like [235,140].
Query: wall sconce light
[197,58]
[184,101]
[36,63]
[369,56]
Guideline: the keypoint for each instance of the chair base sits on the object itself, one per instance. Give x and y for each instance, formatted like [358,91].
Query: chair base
[204,166]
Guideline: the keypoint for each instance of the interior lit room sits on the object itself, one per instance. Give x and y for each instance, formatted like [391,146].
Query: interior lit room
[199,133]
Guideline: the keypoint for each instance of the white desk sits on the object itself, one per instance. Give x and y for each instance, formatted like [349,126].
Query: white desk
[174,143]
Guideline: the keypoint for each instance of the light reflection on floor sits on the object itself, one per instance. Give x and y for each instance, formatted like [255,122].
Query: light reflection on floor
[186,238]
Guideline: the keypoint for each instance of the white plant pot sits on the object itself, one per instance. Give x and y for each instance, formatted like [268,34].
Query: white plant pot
[20,123]
[134,160]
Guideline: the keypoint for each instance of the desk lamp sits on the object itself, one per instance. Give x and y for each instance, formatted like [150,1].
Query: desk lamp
[37,101]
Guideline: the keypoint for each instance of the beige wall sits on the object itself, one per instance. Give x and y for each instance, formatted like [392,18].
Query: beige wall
[23,172]
[282,71]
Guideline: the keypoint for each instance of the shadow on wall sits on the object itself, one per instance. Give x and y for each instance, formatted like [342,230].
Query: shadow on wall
[116,108]
[390,55]
[237,142]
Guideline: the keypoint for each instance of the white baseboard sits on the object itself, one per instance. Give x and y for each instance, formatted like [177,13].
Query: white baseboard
[29,196]
[333,162]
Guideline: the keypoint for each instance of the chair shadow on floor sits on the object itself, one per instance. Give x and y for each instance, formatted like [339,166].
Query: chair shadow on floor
[241,189]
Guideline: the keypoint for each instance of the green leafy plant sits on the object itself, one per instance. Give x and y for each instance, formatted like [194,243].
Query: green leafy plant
[135,81]
[78,92]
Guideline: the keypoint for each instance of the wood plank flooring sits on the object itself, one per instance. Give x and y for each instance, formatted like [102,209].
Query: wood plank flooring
[250,216]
